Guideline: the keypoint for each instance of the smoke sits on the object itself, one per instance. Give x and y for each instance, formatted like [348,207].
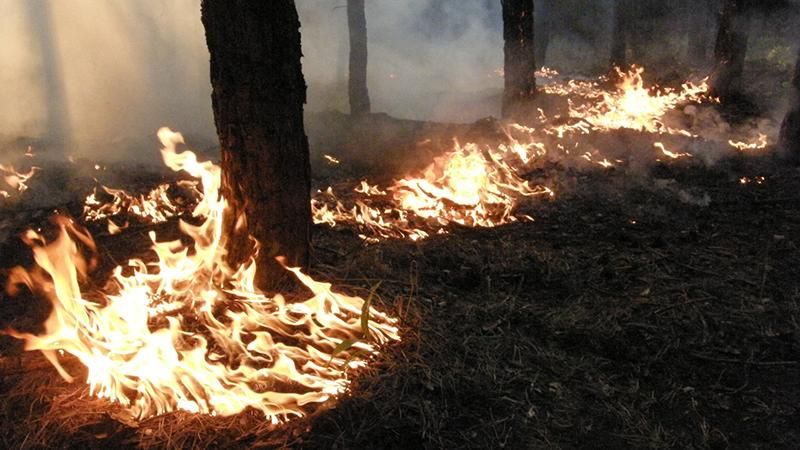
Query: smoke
[97,78]
[89,77]
[428,59]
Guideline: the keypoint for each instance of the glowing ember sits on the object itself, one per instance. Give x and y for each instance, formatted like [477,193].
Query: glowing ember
[190,333]
[754,180]
[331,160]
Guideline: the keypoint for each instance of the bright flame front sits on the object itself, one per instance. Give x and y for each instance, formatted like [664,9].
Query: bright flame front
[188,332]
[469,186]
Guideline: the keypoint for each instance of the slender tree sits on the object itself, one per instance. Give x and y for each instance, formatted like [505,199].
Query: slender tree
[58,127]
[620,35]
[258,97]
[520,57]
[357,23]
[731,49]
[543,28]
[699,20]
[790,130]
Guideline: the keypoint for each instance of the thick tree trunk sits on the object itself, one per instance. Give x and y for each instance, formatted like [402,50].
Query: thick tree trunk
[357,22]
[542,29]
[520,57]
[790,130]
[731,49]
[620,34]
[258,97]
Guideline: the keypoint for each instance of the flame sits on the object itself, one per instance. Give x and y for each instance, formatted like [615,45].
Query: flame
[759,143]
[15,179]
[188,332]
[671,154]
[155,207]
[756,180]
[633,106]
[469,186]
[331,160]
[366,189]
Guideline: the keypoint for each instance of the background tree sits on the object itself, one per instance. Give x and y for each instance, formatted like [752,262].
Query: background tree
[731,49]
[790,130]
[357,23]
[620,34]
[520,57]
[699,20]
[57,124]
[542,26]
[258,97]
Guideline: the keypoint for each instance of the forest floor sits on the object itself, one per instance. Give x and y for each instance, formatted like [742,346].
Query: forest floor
[628,314]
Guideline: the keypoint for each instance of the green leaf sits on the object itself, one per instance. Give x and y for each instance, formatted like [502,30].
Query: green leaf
[365,311]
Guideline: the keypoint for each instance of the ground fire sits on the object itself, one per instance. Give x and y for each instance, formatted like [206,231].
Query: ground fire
[582,234]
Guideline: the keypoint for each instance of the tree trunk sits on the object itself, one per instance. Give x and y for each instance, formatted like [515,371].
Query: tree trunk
[730,50]
[790,130]
[520,57]
[699,22]
[620,35]
[258,97]
[542,29]
[357,22]
[642,40]
[57,123]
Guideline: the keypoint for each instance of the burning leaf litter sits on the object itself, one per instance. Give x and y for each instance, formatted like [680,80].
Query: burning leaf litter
[188,332]
[482,186]
[759,143]
[155,207]
[15,180]
[222,346]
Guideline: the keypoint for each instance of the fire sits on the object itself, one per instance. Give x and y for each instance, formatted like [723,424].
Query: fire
[670,154]
[466,186]
[546,73]
[756,180]
[332,160]
[157,206]
[366,189]
[633,106]
[188,332]
[14,179]
[759,143]
[469,186]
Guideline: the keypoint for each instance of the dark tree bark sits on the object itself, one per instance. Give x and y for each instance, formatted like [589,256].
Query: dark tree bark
[700,19]
[357,22]
[731,49]
[620,35]
[520,57]
[790,130]
[258,97]
[542,29]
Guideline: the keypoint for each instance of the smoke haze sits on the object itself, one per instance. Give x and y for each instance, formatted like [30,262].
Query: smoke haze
[99,77]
